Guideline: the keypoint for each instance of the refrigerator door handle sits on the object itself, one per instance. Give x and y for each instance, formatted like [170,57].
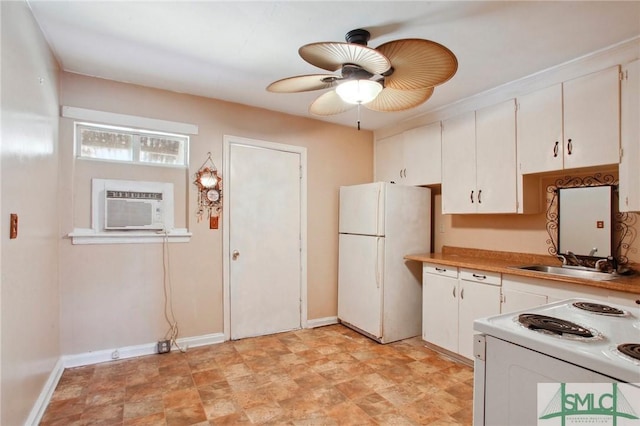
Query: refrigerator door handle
[378,210]
[378,263]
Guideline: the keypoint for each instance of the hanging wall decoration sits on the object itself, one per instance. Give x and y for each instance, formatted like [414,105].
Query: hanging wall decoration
[209,185]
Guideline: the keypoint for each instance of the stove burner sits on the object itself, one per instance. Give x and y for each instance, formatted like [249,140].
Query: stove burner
[630,349]
[553,325]
[598,308]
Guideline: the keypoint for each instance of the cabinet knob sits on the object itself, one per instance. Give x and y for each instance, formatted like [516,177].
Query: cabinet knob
[555,149]
[569,146]
[471,196]
[454,292]
[480,196]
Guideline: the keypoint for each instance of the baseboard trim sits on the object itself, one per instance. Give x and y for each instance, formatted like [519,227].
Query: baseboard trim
[88,358]
[106,355]
[321,322]
[39,407]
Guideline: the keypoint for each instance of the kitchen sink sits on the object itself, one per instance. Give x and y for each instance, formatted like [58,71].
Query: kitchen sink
[569,272]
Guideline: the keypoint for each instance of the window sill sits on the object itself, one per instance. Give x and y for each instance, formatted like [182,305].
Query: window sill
[90,236]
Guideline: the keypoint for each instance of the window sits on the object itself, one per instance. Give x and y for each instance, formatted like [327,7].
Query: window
[101,142]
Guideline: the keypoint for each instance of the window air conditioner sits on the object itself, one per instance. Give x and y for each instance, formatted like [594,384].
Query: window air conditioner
[133,210]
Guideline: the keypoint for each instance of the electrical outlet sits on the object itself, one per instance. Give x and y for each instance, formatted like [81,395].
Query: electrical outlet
[164,346]
[13,227]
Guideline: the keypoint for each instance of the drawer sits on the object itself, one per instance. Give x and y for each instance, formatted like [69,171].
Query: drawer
[484,277]
[441,270]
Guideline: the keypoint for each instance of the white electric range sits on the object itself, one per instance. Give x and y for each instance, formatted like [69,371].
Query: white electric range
[571,341]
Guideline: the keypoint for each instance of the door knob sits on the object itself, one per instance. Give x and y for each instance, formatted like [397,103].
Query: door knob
[235,254]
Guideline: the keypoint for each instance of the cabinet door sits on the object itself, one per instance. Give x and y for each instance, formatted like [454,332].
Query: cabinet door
[514,300]
[476,301]
[592,119]
[440,311]
[459,193]
[496,170]
[389,159]
[539,138]
[630,128]
[422,155]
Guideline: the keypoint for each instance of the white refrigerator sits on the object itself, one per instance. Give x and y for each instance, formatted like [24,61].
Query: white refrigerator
[379,292]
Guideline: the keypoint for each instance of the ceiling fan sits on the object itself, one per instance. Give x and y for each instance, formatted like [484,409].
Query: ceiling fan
[396,76]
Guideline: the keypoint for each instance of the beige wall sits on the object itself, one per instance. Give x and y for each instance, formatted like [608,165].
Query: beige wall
[112,295]
[29,157]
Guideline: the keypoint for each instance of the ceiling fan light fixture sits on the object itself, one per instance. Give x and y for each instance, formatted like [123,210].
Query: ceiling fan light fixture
[359,91]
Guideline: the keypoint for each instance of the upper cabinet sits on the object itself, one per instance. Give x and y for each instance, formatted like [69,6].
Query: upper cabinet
[410,158]
[422,155]
[388,159]
[629,184]
[571,125]
[479,161]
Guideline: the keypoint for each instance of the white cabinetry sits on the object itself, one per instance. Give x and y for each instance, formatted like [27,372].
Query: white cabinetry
[524,292]
[517,300]
[570,125]
[410,158]
[440,306]
[459,164]
[422,155]
[630,139]
[389,159]
[479,297]
[452,301]
[479,161]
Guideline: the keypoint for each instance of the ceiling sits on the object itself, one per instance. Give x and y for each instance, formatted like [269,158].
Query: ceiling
[231,50]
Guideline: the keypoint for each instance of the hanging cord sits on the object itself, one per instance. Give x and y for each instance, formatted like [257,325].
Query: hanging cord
[172,333]
[210,160]
[358,115]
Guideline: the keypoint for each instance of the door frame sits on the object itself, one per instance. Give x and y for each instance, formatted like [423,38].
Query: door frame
[227,141]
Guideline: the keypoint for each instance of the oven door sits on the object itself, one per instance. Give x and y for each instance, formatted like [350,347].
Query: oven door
[507,387]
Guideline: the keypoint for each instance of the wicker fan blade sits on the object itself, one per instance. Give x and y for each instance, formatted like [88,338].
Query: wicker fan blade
[398,100]
[332,56]
[329,104]
[303,83]
[418,63]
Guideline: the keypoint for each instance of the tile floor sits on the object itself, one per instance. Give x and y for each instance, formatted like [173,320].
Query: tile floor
[324,376]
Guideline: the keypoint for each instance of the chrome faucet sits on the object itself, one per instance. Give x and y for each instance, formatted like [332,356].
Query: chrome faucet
[593,251]
[601,264]
[573,259]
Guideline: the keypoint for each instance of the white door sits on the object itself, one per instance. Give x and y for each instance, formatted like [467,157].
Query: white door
[263,192]
[360,286]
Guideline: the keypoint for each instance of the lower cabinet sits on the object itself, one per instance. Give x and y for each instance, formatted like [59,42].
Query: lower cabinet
[516,300]
[452,300]
[520,293]
[440,306]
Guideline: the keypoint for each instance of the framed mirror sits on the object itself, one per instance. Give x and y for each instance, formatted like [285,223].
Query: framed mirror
[583,215]
[585,221]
